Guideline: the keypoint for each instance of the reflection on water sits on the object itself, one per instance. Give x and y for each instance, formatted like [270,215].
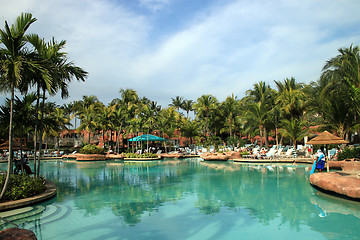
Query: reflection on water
[187,196]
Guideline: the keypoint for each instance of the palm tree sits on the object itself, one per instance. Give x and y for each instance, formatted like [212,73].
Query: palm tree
[150,112]
[24,115]
[61,72]
[291,97]
[88,120]
[189,129]
[203,107]
[230,110]
[295,129]
[187,106]
[177,103]
[340,86]
[257,113]
[14,60]
[258,103]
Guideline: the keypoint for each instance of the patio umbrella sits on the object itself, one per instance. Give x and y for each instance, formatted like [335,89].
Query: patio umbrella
[327,138]
[146,137]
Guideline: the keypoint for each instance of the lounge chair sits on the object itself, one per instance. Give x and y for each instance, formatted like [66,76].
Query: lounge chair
[270,154]
[289,153]
[254,154]
[278,153]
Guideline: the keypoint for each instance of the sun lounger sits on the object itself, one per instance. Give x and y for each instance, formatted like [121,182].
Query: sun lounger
[270,154]
[278,153]
[254,154]
[289,153]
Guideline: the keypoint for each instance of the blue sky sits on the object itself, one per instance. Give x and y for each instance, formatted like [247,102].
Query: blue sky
[168,48]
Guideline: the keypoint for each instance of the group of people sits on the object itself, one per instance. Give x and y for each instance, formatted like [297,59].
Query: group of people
[22,165]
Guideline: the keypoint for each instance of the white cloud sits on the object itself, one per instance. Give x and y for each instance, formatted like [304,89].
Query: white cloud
[154,5]
[223,49]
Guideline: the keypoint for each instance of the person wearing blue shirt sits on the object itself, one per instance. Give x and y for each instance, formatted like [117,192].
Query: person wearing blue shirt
[320,164]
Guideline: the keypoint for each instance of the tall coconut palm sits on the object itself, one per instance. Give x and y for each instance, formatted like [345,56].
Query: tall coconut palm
[293,129]
[150,112]
[342,77]
[177,103]
[230,109]
[88,120]
[257,113]
[203,107]
[14,60]
[187,106]
[291,97]
[263,96]
[60,70]
[189,129]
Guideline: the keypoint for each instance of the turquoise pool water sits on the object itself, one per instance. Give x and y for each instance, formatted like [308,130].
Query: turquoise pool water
[186,199]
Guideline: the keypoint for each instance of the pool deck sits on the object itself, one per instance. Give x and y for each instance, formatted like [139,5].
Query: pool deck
[274,160]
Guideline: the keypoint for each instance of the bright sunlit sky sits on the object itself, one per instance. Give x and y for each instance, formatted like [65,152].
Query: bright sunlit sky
[168,48]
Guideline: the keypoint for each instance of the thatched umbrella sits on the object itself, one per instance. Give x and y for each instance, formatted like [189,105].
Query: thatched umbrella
[327,138]
[16,146]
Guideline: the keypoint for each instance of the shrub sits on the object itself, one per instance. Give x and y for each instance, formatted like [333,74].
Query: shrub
[22,186]
[91,149]
[349,153]
[244,153]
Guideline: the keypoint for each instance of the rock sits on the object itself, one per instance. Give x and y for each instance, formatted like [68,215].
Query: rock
[90,157]
[344,183]
[351,166]
[110,156]
[234,155]
[17,233]
[171,155]
[215,157]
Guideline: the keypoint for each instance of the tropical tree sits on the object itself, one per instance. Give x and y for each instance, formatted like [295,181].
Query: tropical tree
[177,103]
[294,129]
[14,61]
[88,120]
[187,106]
[204,106]
[230,110]
[339,90]
[189,129]
[258,103]
[291,97]
[61,71]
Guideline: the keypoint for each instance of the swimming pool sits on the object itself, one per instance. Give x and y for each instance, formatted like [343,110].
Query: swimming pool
[186,199]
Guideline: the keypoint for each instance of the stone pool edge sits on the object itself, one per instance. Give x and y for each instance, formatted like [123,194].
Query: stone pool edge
[49,193]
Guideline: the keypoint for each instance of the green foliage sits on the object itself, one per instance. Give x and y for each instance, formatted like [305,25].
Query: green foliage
[92,149]
[144,155]
[235,141]
[22,186]
[244,153]
[349,153]
[213,140]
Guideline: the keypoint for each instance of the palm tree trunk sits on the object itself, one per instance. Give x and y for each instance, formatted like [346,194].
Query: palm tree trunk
[277,138]
[41,131]
[10,159]
[261,136]
[147,142]
[36,127]
[230,127]
[266,138]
